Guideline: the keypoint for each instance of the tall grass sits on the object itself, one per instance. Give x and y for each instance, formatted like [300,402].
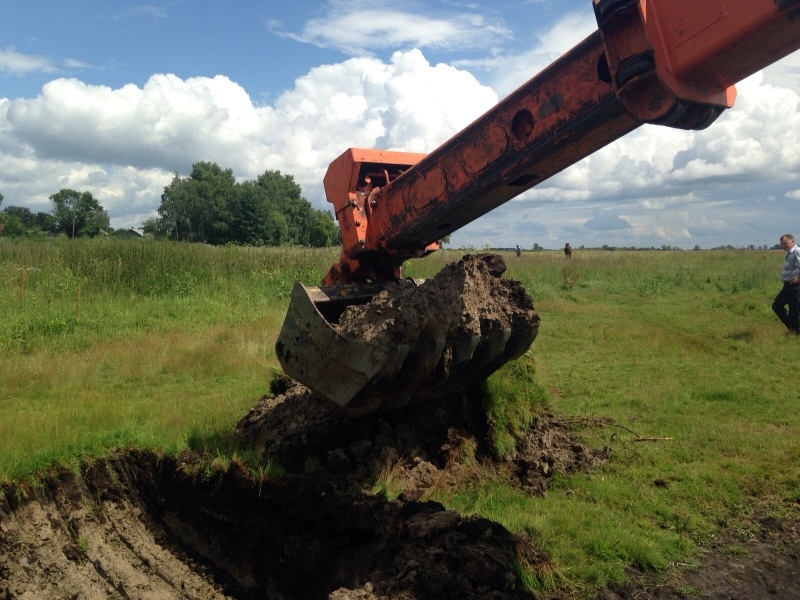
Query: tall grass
[107,343]
[114,342]
[70,293]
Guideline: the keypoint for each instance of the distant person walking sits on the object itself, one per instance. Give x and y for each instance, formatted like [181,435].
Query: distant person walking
[519,251]
[789,296]
[568,250]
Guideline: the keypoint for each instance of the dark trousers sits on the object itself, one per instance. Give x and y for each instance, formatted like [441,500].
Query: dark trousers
[788,296]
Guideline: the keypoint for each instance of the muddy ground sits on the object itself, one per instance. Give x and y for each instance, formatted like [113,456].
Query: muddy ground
[142,526]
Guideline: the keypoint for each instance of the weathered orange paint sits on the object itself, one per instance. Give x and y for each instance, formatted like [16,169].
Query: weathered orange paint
[670,62]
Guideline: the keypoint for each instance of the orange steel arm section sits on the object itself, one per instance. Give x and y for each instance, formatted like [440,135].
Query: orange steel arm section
[668,62]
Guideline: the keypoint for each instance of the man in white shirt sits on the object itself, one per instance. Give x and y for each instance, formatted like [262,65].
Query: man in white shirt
[789,296]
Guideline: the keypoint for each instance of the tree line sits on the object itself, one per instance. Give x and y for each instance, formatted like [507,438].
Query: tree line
[207,206]
[75,214]
[210,206]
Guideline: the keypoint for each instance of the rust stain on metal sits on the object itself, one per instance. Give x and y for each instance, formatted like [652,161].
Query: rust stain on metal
[486,149]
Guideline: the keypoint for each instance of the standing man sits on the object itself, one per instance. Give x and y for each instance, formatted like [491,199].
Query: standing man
[790,294]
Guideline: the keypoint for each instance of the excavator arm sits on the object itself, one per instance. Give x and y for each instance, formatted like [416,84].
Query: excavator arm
[663,62]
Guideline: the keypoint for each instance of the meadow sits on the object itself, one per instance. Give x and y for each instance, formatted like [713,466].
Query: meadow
[111,343]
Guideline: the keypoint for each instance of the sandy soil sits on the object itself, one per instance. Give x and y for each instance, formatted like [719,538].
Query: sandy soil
[143,526]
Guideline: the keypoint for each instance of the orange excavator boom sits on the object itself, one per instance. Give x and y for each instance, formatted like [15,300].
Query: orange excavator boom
[664,62]
[668,62]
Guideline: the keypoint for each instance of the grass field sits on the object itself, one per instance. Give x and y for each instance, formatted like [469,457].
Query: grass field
[113,343]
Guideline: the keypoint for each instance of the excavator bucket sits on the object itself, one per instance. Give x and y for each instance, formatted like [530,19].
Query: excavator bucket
[312,350]
[369,347]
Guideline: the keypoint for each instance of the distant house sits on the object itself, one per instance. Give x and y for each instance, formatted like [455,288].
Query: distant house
[136,232]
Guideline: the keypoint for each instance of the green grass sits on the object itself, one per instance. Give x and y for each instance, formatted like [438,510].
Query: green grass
[134,342]
[671,345]
[109,343]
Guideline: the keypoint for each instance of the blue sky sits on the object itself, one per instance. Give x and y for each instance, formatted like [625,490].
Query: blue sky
[113,97]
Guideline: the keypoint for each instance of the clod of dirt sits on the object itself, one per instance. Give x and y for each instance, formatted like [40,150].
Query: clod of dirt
[441,337]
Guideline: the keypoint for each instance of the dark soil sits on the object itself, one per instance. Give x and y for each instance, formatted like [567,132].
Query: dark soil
[412,343]
[142,526]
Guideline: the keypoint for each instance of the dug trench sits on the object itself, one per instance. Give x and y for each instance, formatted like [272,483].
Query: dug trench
[142,525]
[138,525]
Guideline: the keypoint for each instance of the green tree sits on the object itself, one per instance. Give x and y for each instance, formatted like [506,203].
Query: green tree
[324,231]
[78,213]
[153,226]
[25,216]
[11,225]
[251,224]
[285,198]
[215,201]
[211,206]
[177,214]
[45,221]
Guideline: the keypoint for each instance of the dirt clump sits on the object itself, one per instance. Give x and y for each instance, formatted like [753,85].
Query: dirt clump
[441,337]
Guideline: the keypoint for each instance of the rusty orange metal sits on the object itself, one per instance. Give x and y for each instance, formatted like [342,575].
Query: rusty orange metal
[669,62]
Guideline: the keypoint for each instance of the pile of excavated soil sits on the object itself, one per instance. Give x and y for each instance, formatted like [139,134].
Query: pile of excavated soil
[445,443]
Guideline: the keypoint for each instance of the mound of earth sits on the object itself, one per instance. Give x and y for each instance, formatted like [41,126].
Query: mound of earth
[445,443]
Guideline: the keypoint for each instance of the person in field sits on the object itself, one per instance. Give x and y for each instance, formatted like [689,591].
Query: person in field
[519,251]
[789,296]
[568,250]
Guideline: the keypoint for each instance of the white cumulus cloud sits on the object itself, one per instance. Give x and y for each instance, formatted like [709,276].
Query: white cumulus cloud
[124,144]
